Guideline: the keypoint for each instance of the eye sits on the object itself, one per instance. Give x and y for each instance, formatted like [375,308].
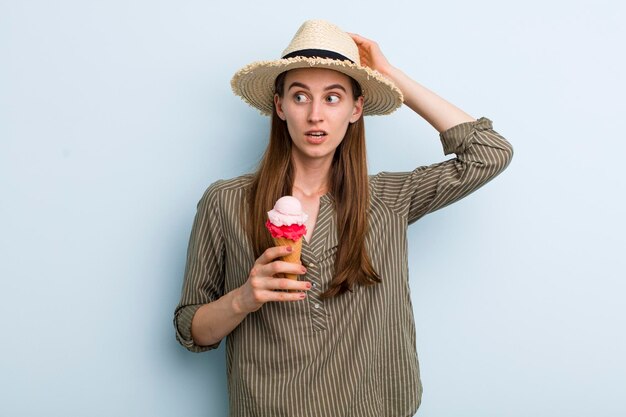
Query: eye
[300,98]
[332,99]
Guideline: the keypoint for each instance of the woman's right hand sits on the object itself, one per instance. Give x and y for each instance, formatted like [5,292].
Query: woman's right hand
[262,284]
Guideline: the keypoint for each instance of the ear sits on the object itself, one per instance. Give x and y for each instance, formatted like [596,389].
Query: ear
[279,107]
[358,110]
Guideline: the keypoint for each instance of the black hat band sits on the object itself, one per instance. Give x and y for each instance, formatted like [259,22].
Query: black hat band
[317,53]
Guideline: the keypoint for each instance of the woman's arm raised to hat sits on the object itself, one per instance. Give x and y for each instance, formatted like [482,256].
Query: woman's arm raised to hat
[441,114]
[481,152]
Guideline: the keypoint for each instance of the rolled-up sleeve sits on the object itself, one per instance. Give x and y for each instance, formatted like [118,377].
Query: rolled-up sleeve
[481,154]
[204,271]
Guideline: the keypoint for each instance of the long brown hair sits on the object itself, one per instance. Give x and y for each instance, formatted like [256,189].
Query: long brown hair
[349,187]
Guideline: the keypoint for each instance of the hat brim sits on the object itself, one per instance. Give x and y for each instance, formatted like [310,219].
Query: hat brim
[254,83]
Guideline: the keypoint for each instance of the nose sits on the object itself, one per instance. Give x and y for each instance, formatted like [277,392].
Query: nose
[315,112]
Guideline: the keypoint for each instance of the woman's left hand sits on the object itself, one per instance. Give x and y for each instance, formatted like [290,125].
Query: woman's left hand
[435,110]
[371,55]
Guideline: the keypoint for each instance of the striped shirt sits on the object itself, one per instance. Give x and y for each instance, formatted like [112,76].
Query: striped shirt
[351,355]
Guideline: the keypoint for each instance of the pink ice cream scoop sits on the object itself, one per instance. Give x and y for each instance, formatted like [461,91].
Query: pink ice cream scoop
[287,211]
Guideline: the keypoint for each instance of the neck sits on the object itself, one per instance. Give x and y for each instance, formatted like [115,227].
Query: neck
[310,192]
[311,178]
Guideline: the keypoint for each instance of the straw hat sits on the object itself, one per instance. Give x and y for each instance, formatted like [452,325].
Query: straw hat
[317,44]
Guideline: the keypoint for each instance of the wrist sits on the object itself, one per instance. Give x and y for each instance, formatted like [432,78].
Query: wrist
[395,74]
[236,302]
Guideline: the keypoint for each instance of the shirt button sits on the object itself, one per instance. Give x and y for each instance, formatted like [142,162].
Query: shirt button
[314,285]
[317,306]
[312,265]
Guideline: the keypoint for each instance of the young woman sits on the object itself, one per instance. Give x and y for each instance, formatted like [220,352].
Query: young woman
[342,341]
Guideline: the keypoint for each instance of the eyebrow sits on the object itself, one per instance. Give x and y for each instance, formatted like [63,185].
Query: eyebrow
[330,87]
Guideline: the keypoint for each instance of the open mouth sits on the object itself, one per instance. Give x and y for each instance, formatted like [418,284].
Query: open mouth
[317,134]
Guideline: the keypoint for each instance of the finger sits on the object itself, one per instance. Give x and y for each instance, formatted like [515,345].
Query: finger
[288,284]
[360,39]
[354,36]
[280,267]
[272,253]
[281,296]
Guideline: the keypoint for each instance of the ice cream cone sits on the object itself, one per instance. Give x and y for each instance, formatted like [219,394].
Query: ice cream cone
[294,256]
[286,223]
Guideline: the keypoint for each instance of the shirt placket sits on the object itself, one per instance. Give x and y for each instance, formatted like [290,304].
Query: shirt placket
[311,258]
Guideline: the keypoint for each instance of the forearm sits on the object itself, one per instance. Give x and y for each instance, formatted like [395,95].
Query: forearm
[214,321]
[441,114]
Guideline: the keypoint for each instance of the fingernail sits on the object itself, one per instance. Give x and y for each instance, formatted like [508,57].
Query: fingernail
[289,249]
[302,295]
[308,285]
[303,269]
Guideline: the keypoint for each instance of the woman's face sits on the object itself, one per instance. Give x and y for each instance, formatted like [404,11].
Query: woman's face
[318,105]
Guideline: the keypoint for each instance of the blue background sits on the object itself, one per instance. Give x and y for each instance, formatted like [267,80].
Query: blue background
[116,115]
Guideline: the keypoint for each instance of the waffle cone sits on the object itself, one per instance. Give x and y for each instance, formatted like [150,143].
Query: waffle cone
[294,256]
